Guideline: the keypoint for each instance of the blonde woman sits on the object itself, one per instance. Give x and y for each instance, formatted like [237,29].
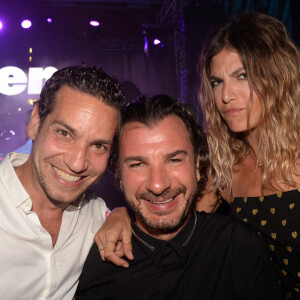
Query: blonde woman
[250,98]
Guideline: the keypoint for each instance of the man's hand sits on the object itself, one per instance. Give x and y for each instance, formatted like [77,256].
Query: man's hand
[114,238]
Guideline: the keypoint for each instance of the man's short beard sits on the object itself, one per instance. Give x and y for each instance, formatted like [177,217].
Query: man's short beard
[157,228]
[164,226]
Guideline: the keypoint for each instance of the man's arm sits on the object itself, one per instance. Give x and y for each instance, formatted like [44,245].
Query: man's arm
[114,237]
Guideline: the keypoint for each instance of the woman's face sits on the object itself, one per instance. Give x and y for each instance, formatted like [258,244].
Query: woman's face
[231,91]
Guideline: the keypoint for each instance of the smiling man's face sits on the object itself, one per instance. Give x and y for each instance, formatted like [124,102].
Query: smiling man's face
[71,148]
[158,174]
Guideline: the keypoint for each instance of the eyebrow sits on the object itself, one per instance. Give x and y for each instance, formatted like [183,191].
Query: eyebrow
[64,124]
[234,73]
[135,158]
[173,154]
[75,132]
[144,159]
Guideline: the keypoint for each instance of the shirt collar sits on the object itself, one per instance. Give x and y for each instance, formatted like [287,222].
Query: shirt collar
[154,247]
[10,179]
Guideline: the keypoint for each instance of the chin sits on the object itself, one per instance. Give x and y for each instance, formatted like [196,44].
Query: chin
[61,200]
[237,129]
[163,226]
[167,223]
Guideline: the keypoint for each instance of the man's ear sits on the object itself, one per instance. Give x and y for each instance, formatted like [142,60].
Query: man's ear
[198,176]
[34,124]
[121,186]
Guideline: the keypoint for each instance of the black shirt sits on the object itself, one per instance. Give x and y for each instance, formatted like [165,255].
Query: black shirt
[212,257]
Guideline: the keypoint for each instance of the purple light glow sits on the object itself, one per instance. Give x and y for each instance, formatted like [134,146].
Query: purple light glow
[1,25]
[94,23]
[146,46]
[26,24]
[156,42]
[49,20]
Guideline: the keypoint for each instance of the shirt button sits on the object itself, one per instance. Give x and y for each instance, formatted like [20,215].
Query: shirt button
[42,230]
[27,203]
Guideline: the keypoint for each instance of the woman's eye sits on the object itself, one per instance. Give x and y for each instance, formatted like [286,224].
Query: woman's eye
[243,76]
[215,82]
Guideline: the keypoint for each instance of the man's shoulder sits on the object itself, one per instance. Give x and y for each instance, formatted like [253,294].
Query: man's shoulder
[92,199]
[10,161]
[96,272]
[241,242]
[90,195]
[11,188]
[214,219]
[5,164]
[226,227]
[92,209]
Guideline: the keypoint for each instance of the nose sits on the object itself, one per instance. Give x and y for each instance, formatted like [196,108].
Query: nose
[158,180]
[228,93]
[76,159]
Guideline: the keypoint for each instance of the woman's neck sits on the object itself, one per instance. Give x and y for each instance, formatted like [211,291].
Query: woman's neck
[252,141]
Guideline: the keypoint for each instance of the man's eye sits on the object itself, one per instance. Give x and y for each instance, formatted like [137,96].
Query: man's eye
[63,133]
[136,165]
[101,148]
[175,160]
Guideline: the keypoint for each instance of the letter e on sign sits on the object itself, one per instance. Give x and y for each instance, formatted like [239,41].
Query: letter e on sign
[12,81]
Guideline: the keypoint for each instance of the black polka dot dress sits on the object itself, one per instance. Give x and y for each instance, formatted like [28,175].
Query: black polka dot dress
[276,218]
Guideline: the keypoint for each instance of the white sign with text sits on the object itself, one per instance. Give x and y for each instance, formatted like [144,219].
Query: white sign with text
[13,80]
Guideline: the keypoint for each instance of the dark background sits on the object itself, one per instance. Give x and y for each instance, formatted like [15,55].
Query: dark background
[117,46]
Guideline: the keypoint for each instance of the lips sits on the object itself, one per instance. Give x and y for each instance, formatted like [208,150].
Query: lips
[233,111]
[164,198]
[66,177]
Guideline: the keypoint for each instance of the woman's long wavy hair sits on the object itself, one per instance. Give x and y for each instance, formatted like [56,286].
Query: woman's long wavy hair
[271,61]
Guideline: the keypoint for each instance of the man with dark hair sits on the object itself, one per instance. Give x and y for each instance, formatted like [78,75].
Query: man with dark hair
[161,158]
[47,217]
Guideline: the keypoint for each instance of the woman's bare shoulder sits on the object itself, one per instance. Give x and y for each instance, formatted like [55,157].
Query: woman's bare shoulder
[210,198]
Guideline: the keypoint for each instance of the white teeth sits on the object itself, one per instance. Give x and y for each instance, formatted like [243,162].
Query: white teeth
[164,202]
[66,176]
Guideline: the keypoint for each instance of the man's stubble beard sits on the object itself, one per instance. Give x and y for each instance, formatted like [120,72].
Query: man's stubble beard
[46,188]
[165,225]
